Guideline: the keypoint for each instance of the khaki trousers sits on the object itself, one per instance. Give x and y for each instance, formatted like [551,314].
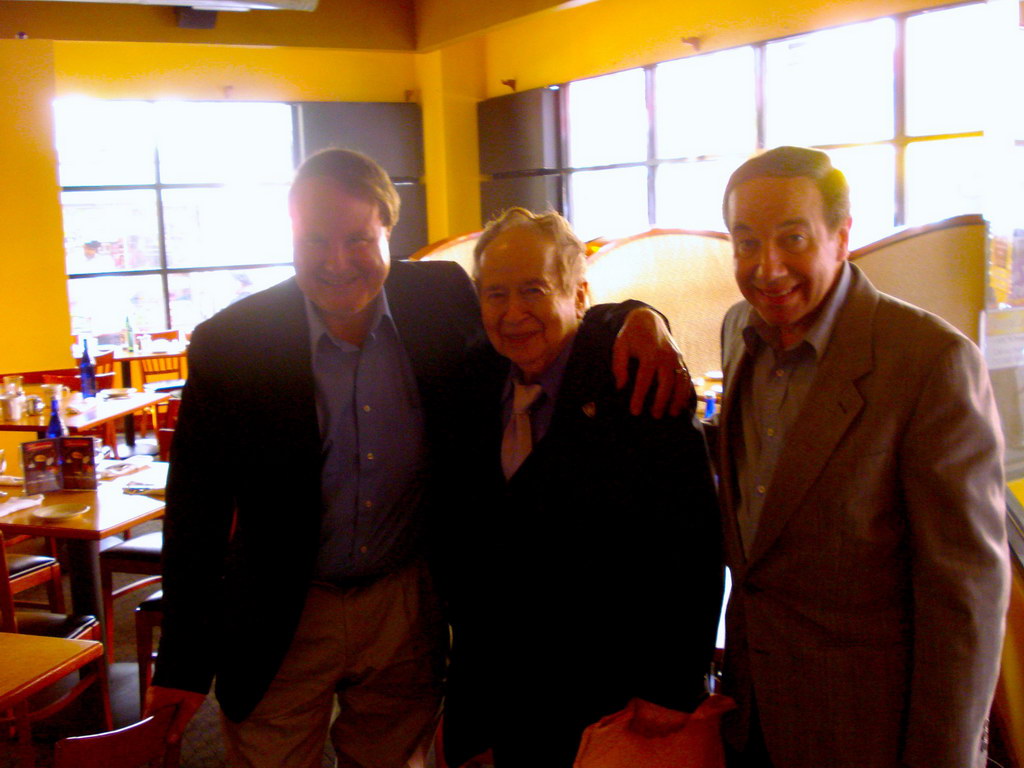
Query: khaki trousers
[380,649]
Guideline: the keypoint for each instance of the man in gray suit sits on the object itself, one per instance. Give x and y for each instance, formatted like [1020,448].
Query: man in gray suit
[862,492]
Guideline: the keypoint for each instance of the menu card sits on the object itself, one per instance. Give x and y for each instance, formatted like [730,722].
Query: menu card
[59,463]
[78,462]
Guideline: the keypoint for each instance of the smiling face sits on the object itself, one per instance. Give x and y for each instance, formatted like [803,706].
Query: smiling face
[341,253]
[528,315]
[785,256]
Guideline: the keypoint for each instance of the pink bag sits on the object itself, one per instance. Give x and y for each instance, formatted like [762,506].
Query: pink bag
[644,735]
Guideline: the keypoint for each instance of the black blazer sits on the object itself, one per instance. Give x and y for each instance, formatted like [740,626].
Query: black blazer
[247,448]
[596,573]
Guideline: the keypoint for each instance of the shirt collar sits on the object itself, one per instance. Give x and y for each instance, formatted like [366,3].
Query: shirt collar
[318,329]
[757,331]
[550,381]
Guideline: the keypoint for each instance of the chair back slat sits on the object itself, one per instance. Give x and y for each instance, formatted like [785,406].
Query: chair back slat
[137,745]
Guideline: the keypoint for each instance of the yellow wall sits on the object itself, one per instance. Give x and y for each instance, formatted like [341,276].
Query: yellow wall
[35,324]
[452,84]
[612,35]
[251,73]
[34,320]
[356,24]
[441,22]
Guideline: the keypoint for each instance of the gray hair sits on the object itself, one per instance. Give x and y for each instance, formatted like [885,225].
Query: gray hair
[570,252]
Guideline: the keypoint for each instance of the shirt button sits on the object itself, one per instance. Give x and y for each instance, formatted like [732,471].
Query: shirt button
[771,432]
[369,456]
[761,489]
[363,549]
[366,409]
[367,504]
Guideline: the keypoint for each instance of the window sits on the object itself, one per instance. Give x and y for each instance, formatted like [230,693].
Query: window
[172,210]
[896,102]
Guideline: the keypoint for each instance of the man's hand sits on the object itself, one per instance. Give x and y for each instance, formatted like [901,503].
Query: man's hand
[187,703]
[645,337]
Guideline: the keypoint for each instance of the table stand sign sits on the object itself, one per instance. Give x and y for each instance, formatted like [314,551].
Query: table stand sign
[59,463]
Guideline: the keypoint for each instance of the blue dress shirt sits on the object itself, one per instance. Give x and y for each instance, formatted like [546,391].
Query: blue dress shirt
[372,428]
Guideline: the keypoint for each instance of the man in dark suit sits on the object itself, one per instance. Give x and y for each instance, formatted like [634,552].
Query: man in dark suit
[862,498]
[317,438]
[593,572]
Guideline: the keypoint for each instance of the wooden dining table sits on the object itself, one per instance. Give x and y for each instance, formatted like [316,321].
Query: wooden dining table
[111,512]
[89,414]
[32,663]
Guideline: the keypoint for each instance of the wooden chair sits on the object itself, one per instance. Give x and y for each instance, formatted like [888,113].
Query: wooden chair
[139,555]
[165,433]
[59,625]
[27,571]
[149,615]
[73,381]
[166,371]
[162,374]
[103,363]
[137,745]
[172,335]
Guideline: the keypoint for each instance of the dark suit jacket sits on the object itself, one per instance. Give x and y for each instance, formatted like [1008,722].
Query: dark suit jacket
[596,571]
[247,447]
[868,615]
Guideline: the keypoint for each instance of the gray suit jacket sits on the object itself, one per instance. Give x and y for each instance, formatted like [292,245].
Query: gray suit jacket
[868,618]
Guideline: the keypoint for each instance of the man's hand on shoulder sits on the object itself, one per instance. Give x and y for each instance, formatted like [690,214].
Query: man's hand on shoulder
[186,702]
[645,337]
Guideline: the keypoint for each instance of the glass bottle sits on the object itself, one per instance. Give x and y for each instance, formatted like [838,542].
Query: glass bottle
[56,426]
[87,372]
[129,336]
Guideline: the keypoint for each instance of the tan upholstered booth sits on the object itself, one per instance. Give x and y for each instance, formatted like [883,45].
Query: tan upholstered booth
[685,274]
[939,267]
[458,249]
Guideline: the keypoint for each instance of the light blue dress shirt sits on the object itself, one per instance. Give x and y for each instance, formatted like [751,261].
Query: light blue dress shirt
[372,428]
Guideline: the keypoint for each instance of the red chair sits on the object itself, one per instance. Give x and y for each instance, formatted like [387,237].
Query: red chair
[140,744]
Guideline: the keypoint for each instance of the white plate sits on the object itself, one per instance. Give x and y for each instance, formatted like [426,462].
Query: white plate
[119,392]
[60,511]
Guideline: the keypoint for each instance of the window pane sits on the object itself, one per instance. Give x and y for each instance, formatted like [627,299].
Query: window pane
[706,105]
[215,142]
[945,178]
[101,304]
[831,87]
[103,143]
[946,68]
[230,225]
[608,120]
[1017,104]
[609,203]
[196,296]
[689,195]
[871,172]
[107,231]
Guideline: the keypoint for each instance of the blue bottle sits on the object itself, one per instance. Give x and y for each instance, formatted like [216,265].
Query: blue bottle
[87,372]
[56,427]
